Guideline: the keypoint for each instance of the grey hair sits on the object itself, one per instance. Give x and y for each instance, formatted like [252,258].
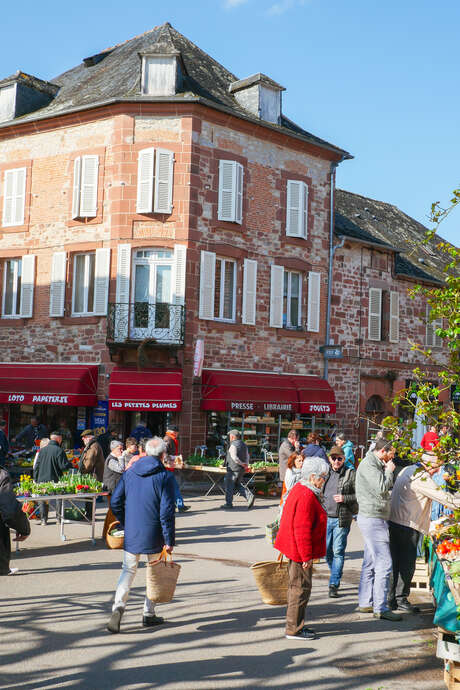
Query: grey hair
[341,435]
[155,446]
[314,465]
[114,444]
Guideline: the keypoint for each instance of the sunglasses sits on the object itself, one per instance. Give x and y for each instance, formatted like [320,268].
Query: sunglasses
[337,457]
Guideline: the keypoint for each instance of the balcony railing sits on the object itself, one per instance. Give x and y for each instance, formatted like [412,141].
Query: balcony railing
[158,321]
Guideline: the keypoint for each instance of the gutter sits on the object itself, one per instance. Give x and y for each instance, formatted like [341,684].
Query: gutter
[332,250]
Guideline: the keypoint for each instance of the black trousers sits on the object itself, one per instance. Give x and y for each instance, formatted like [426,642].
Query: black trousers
[403,549]
[5,549]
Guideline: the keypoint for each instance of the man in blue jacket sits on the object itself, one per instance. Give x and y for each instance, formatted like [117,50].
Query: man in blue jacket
[144,503]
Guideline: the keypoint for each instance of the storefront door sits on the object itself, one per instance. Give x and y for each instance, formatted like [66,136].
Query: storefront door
[151,316]
[156,422]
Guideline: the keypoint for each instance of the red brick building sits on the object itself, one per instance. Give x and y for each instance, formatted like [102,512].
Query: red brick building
[379,257]
[151,203]
[154,207]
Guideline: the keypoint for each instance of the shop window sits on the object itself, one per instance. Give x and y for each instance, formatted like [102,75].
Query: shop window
[225,290]
[12,288]
[292,299]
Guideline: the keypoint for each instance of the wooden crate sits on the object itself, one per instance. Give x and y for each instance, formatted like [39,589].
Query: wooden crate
[452,675]
[421,579]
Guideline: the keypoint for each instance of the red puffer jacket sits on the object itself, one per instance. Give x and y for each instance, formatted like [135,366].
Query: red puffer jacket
[302,532]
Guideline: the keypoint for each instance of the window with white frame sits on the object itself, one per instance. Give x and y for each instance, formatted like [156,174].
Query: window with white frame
[432,339]
[14,197]
[83,283]
[292,291]
[85,181]
[225,290]
[12,288]
[296,209]
[230,201]
[91,273]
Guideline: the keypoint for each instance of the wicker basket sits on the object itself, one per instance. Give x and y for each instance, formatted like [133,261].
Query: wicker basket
[114,542]
[162,578]
[272,580]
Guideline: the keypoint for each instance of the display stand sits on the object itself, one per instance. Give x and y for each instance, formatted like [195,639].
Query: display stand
[73,499]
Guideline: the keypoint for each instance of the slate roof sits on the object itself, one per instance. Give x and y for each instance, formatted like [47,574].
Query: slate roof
[386,226]
[114,75]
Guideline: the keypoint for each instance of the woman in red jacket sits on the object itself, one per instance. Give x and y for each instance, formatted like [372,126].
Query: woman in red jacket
[302,538]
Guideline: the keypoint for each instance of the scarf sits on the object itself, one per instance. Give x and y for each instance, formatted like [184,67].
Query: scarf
[318,492]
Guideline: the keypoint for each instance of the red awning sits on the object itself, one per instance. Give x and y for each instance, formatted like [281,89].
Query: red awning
[49,384]
[315,395]
[149,389]
[271,393]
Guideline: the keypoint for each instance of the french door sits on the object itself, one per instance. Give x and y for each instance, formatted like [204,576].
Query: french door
[151,313]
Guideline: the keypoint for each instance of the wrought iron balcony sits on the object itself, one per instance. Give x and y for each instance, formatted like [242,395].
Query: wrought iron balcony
[158,321]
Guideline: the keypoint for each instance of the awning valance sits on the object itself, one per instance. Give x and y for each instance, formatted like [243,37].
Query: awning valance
[151,390]
[237,391]
[49,384]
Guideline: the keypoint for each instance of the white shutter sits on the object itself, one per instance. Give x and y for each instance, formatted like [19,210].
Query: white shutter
[304,219]
[293,208]
[178,281]
[122,292]
[276,296]
[227,191]
[164,165]
[27,286]
[88,193]
[101,281]
[432,339]
[239,193]
[145,181]
[375,314]
[314,301]
[394,317]
[296,209]
[76,187]
[57,286]
[19,196]
[8,197]
[207,285]
[248,315]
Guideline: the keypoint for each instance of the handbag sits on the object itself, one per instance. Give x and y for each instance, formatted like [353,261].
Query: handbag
[272,580]
[271,531]
[162,578]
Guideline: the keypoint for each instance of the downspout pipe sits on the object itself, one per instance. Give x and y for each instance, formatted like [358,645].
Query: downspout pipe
[332,250]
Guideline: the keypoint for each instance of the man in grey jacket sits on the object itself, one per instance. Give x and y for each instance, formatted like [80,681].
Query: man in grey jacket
[289,445]
[237,462]
[374,480]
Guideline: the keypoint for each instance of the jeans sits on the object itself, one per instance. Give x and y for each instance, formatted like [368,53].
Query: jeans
[177,495]
[336,543]
[377,564]
[403,548]
[233,483]
[128,573]
[298,594]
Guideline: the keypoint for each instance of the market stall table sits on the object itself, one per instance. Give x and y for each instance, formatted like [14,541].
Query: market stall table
[72,499]
[215,475]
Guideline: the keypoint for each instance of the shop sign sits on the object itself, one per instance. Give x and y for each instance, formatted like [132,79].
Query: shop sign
[319,408]
[100,416]
[144,405]
[198,357]
[265,407]
[38,399]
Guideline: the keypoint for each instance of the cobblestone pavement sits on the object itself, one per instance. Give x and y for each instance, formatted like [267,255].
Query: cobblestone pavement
[218,633]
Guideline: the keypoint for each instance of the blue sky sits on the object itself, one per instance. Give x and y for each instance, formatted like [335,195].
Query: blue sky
[379,79]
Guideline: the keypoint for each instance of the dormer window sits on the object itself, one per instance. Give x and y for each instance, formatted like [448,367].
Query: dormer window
[7,102]
[161,74]
[260,96]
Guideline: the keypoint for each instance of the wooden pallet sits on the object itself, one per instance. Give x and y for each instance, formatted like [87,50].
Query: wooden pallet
[421,578]
[452,675]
